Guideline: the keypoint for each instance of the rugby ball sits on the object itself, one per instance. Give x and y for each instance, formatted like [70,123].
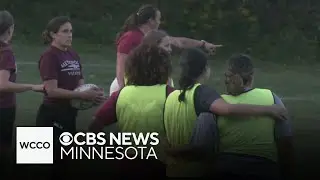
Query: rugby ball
[83,104]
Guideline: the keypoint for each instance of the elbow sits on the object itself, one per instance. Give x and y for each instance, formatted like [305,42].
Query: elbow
[221,111]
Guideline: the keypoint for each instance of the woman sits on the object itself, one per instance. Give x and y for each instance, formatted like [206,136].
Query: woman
[158,38]
[161,39]
[138,107]
[243,156]
[61,72]
[8,88]
[8,85]
[183,106]
[139,23]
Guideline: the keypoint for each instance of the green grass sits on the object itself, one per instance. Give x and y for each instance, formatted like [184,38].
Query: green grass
[298,85]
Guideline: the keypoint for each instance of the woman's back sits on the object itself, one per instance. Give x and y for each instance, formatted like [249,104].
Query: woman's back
[140,108]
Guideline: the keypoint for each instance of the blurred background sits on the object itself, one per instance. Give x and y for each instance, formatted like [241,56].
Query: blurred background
[283,35]
[276,30]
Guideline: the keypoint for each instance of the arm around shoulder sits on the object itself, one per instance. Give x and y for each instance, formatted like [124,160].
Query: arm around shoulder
[221,107]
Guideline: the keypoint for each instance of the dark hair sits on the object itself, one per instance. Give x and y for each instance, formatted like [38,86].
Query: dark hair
[241,70]
[54,26]
[154,37]
[137,19]
[147,65]
[193,64]
[6,21]
[241,64]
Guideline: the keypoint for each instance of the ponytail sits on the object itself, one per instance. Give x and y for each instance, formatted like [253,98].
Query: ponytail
[241,68]
[47,39]
[193,66]
[129,24]
[185,83]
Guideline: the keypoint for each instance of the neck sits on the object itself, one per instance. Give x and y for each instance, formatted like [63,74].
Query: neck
[200,80]
[145,29]
[63,48]
[242,90]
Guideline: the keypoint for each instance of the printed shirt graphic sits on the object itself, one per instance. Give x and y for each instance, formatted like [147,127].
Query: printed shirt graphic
[72,67]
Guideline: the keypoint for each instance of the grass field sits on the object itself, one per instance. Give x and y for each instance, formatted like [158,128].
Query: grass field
[298,86]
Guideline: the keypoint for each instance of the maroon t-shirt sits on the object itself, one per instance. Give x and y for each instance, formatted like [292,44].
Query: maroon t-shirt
[129,40]
[63,66]
[8,62]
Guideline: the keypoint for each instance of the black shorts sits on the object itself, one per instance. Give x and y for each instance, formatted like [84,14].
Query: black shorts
[59,116]
[7,118]
[62,118]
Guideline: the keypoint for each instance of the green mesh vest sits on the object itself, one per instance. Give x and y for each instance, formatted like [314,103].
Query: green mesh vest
[248,135]
[140,109]
[179,120]
[179,117]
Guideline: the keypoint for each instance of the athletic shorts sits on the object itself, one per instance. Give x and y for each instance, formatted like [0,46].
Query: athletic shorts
[7,118]
[62,118]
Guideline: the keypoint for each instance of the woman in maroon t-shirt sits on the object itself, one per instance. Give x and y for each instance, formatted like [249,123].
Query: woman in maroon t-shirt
[161,39]
[145,19]
[8,87]
[61,72]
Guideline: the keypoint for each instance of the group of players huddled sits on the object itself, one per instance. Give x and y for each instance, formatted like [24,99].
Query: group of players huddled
[244,133]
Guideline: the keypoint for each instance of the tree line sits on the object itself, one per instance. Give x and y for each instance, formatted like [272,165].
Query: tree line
[276,30]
